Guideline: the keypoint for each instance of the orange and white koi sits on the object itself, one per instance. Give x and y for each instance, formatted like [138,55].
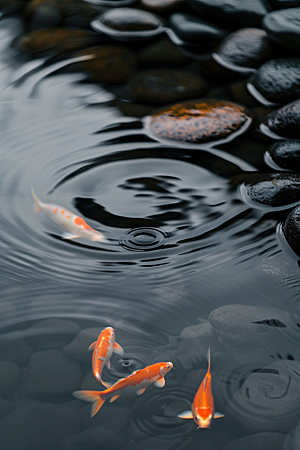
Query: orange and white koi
[74,226]
[203,407]
[103,348]
[137,381]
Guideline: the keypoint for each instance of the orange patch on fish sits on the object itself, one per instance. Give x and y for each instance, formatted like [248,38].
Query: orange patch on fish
[62,211]
[55,210]
[80,221]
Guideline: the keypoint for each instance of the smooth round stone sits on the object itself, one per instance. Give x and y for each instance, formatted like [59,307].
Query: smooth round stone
[114,419]
[79,14]
[162,53]
[161,86]
[259,441]
[10,376]
[93,439]
[291,230]
[51,333]
[78,348]
[236,13]
[278,80]
[15,348]
[59,40]
[129,19]
[286,154]
[283,4]
[199,121]
[249,47]
[193,29]
[283,27]
[52,373]
[110,64]
[273,189]
[255,334]
[269,399]
[286,121]
[162,6]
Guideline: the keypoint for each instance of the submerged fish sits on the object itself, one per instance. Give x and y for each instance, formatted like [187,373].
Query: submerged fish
[203,408]
[137,381]
[74,226]
[103,350]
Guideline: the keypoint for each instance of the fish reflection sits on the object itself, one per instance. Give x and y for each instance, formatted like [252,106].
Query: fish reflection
[74,226]
[203,408]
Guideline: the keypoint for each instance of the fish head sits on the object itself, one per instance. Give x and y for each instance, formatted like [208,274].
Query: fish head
[92,235]
[165,368]
[203,417]
[108,333]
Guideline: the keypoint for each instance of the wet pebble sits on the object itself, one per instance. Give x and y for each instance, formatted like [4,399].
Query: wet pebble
[193,29]
[129,19]
[274,189]
[78,348]
[52,373]
[10,376]
[43,13]
[259,441]
[38,427]
[235,13]
[286,154]
[269,399]
[14,348]
[162,6]
[93,439]
[278,80]
[285,122]
[291,231]
[51,333]
[200,121]
[255,334]
[249,47]
[162,53]
[6,407]
[161,86]
[109,64]
[283,27]
[79,14]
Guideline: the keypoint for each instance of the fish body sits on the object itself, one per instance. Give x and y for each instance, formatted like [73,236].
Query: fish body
[203,407]
[103,349]
[73,225]
[137,381]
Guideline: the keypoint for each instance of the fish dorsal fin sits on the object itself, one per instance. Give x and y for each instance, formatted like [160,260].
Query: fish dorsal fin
[114,398]
[160,382]
[218,415]
[92,346]
[118,349]
[208,358]
[185,415]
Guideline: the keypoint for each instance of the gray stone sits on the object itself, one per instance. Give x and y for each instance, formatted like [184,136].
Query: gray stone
[286,121]
[14,348]
[93,439]
[51,333]
[291,230]
[193,29]
[110,417]
[286,154]
[10,376]
[78,348]
[259,441]
[283,27]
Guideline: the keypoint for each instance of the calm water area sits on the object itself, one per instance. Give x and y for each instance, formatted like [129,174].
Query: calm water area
[181,243]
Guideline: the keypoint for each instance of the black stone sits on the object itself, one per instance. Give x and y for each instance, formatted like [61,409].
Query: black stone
[193,29]
[51,333]
[291,230]
[283,4]
[129,19]
[286,154]
[162,53]
[286,121]
[283,27]
[259,441]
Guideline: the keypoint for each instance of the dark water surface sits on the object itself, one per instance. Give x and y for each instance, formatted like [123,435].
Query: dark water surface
[182,243]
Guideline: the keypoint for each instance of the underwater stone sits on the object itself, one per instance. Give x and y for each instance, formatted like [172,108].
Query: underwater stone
[51,333]
[15,348]
[52,373]
[78,348]
[6,407]
[10,376]
[193,29]
[291,230]
[161,86]
[93,439]
[273,189]
[129,19]
[283,4]
[278,80]
[115,419]
[269,399]
[162,53]
[285,121]
[199,121]
[286,154]
[259,441]
[249,47]
[255,334]
[43,13]
[283,27]
[38,427]
[162,6]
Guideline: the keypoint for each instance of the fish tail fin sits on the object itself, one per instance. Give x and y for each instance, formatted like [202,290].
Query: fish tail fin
[37,201]
[94,397]
[208,359]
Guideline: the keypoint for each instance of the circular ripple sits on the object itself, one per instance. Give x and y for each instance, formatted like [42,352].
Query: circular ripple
[141,239]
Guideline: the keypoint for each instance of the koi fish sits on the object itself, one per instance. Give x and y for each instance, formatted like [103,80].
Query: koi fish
[203,408]
[74,226]
[103,350]
[137,381]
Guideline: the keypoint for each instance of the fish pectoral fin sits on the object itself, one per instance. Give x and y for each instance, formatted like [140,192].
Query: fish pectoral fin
[140,391]
[108,364]
[114,398]
[67,235]
[160,382]
[36,208]
[106,384]
[218,415]
[118,349]
[92,346]
[185,415]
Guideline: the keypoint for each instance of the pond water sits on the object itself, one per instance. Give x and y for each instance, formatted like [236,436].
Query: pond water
[181,243]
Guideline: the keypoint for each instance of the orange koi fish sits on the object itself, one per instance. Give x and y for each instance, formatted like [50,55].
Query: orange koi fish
[203,408]
[103,350]
[137,381]
[74,226]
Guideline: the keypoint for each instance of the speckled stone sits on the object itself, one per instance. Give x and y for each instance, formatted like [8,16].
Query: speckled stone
[258,441]
[199,121]
[249,47]
[273,189]
[278,80]
[286,154]
[59,40]
[193,29]
[162,6]
[286,121]
[283,27]
[235,13]
[291,230]
[110,64]
[129,19]
[161,86]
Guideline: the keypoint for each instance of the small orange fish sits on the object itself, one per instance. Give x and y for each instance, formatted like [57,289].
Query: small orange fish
[137,381]
[103,350]
[203,407]
[74,226]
